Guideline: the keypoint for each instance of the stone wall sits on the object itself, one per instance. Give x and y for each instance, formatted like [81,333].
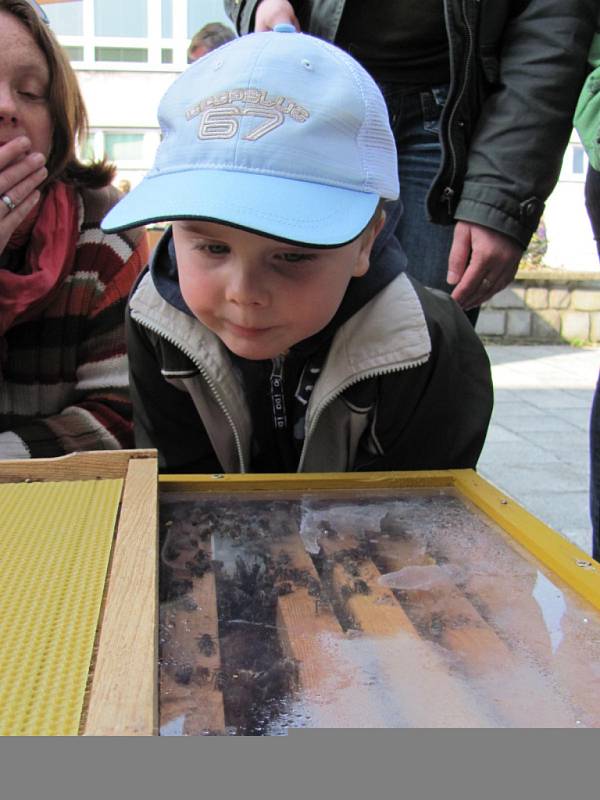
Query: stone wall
[548,306]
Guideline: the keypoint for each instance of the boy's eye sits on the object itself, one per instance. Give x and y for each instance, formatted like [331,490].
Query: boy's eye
[213,248]
[217,249]
[296,258]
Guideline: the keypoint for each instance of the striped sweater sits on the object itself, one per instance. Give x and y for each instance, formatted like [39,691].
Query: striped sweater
[63,379]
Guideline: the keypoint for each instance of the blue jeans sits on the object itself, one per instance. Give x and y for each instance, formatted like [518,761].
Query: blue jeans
[415,120]
[592,201]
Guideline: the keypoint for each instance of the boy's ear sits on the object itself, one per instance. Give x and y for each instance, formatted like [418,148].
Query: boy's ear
[367,240]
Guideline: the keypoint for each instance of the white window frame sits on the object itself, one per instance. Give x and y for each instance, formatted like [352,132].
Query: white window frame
[153,43]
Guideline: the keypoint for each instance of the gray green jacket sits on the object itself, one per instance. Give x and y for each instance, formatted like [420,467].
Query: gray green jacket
[517,67]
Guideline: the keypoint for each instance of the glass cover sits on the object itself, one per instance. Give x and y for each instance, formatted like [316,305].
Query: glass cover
[371,609]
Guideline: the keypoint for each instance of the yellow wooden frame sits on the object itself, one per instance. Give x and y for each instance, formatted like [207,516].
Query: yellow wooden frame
[575,567]
[119,702]
[125,702]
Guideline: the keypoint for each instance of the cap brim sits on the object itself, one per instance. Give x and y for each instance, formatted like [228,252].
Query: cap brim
[284,208]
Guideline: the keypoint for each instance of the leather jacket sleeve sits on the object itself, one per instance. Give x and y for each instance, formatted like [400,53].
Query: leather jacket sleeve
[515,154]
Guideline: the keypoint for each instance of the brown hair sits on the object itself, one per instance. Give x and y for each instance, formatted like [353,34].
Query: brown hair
[210,37]
[65,103]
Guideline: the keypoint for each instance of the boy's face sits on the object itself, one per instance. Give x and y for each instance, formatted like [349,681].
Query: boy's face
[258,295]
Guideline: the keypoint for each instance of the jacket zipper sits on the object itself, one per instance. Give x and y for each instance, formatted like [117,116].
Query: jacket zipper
[376,373]
[210,383]
[448,192]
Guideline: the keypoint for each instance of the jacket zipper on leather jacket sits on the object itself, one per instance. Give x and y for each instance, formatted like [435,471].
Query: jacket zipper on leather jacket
[448,192]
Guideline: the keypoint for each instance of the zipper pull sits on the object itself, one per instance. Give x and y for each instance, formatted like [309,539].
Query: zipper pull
[447,197]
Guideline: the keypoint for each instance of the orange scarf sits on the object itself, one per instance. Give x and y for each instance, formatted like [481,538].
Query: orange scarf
[50,237]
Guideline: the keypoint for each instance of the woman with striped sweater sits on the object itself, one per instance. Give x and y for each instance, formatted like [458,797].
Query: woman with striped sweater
[63,282]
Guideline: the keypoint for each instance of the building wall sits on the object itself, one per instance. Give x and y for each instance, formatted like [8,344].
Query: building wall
[570,241]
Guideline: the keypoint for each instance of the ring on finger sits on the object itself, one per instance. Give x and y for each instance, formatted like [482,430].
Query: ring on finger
[486,283]
[8,202]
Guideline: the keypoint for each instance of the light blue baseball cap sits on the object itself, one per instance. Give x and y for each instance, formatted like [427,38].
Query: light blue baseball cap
[279,133]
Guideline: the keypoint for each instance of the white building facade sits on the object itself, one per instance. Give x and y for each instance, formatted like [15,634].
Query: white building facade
[127,52]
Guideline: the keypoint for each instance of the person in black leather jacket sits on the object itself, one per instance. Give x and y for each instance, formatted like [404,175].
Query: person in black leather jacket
[513,72]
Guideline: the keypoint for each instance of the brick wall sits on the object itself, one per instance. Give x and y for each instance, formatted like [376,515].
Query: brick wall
[545,306]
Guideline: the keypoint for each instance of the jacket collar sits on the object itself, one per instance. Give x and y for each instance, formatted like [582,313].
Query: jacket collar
[389,333]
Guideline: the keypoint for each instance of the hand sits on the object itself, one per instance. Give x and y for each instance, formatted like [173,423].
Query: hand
[21,173]
[271,12]
[482,262]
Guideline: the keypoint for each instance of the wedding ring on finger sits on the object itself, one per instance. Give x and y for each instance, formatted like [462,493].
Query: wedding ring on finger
[486,283]
[8,202]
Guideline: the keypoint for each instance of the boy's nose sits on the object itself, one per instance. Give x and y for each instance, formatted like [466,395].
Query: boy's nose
[246,287]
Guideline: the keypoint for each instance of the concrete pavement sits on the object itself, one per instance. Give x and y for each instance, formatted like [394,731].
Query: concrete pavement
[537,448]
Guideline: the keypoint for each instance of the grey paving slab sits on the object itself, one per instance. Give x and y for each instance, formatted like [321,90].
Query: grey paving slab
[518,481]
[570,443]
[537,449]
[557,398]
[578,417]
[532,419]
[503,456]
[499,433]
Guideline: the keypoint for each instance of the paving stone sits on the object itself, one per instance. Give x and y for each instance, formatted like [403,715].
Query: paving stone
[516,455]
[519,478]
[537,450]
[499,433]
[578,417]
[557,399]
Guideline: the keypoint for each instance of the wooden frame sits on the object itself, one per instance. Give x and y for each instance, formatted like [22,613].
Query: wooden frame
[125,701]
[566,560]
[119,702]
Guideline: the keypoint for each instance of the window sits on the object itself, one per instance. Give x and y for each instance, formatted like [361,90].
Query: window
[136,54]
[75,53]
[577,160]
[66,19]
[119,18]
[130,149]
[87,149]
[201,12]
[124,146]
[167,19]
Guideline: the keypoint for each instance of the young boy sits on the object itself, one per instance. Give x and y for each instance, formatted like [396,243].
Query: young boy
[275,330]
